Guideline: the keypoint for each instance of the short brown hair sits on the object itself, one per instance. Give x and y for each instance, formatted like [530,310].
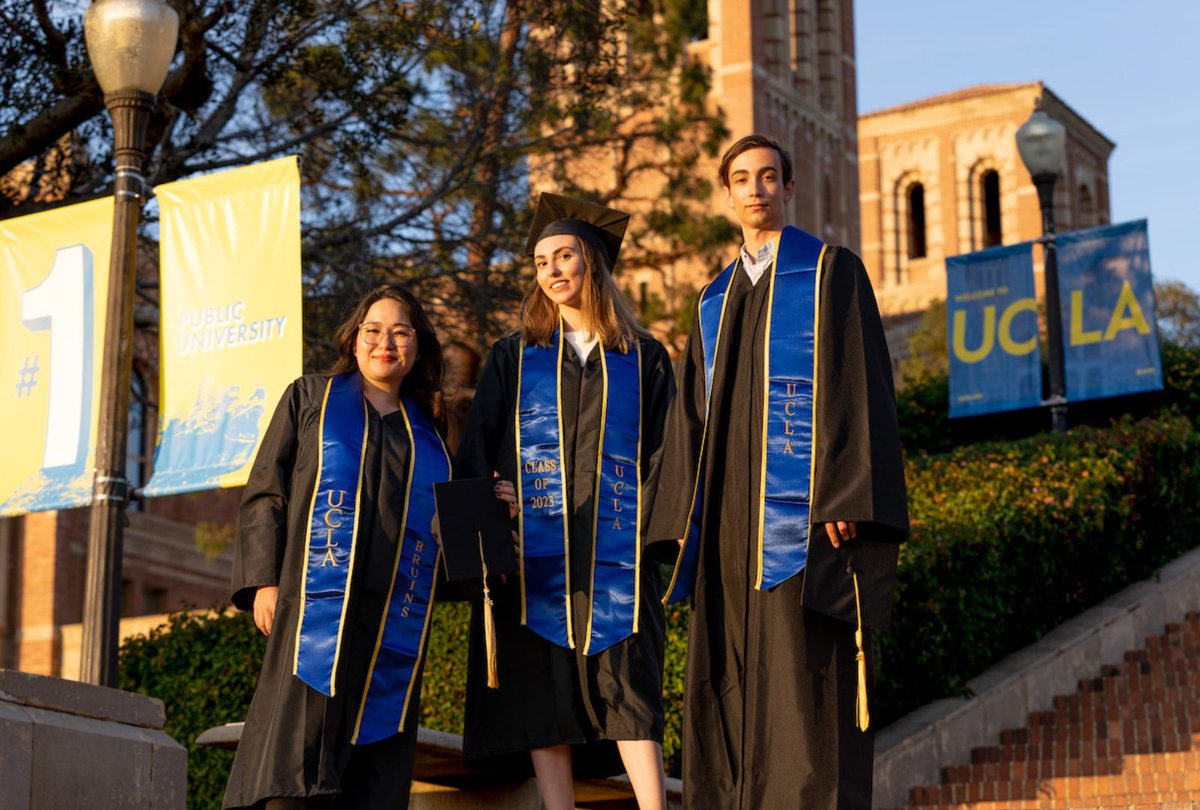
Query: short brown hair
[755,141]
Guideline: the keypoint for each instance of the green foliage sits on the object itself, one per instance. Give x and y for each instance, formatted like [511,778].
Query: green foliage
[1177,307]
[922,410]
[927,345]
[1181,379]
[204,667]
[1010,539]
[444,684]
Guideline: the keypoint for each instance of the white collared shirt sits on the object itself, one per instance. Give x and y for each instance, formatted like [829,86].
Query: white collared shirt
[757,264]
[582,343]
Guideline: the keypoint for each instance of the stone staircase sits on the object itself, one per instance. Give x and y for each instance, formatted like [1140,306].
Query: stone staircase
[1128,738]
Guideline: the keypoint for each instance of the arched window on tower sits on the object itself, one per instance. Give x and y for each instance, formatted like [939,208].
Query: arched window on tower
[990,192]
[916,221]
[1087,209]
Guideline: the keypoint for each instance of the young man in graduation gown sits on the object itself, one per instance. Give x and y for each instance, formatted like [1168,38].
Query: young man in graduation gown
[782,483]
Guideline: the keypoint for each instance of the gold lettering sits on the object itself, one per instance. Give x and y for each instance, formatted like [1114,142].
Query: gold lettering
[552,465]
[329,559]
[787,447]
[408,597]
[404,612]
[618,487]
[330,514]
[539,483]
[329,539]
[1126,314]
[341,498]
[617,525]
[420,547]
[789,408]
[414,573]
[787,428]
[959,336]
[791,389]
[617,505]
[1080,337]
[619,470]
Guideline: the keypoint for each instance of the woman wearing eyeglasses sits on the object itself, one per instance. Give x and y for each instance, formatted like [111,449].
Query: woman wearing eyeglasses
[335,557]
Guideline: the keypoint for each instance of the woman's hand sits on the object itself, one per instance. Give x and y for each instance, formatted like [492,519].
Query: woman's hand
[505,491]
[264,607]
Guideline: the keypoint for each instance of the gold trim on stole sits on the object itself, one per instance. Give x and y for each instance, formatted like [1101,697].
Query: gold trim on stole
[308,538]
[587,645]
[412,462]
[687,529]
[562,476]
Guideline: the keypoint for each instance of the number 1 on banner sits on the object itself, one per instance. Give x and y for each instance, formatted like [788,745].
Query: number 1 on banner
[62,303]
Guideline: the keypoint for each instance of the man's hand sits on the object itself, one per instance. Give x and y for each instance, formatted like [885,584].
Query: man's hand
[840,531]
[264,607]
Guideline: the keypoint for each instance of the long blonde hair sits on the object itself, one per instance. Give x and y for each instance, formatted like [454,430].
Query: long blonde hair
[603,305]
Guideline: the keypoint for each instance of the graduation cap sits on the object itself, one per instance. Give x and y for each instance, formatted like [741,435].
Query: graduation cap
[476,535]
[854,583]
[604,228]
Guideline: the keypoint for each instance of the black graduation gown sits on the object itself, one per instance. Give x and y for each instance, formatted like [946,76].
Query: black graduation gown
[770,686]
[296,742]
[551,695]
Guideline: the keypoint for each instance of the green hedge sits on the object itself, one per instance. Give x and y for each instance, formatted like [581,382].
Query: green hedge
[203,667]
[1009,540]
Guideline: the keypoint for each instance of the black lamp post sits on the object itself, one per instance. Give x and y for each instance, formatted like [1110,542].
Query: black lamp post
[130,44]
[1042,143]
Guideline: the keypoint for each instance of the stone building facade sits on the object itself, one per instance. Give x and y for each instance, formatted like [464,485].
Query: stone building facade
[784,68]
[941,176]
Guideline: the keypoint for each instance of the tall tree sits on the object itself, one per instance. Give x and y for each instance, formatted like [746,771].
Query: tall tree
[417,123]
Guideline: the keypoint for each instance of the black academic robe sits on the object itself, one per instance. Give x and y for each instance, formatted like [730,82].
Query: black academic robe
[296,741]
[770,686]
[550,695]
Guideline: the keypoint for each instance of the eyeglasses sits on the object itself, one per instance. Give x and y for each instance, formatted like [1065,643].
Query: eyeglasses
[375,333]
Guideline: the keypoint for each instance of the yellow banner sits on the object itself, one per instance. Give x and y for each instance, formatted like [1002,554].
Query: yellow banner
[230,331]
[53,291]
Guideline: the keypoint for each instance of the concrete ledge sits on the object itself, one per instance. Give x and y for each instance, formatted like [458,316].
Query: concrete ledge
[913,750]
[81,699]
[67,745]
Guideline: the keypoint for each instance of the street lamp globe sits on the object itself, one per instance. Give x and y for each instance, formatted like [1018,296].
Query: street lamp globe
[131,43]
[1042,143]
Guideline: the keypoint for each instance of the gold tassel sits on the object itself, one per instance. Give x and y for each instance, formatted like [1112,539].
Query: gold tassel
[862,715]
[489,626]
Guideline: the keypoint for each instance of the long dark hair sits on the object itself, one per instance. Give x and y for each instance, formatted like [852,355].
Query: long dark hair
[424,381]
[602,304]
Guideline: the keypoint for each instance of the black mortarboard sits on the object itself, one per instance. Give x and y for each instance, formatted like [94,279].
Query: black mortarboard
[477,541]
[854,583]
[475,528]
[829,575]
[603,227]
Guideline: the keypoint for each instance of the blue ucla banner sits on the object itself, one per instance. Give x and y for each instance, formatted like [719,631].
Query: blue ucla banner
[991,314]
[1107,303]
[230,337]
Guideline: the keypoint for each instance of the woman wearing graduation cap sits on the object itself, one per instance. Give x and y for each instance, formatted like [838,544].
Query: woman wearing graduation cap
[338,501]
[571,409]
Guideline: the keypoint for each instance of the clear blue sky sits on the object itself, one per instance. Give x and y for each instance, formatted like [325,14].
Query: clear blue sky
[1131,69]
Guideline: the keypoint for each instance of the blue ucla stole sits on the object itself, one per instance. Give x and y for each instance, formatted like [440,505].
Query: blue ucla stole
[541,488]
[332,530]
[789,411]
[405,623]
